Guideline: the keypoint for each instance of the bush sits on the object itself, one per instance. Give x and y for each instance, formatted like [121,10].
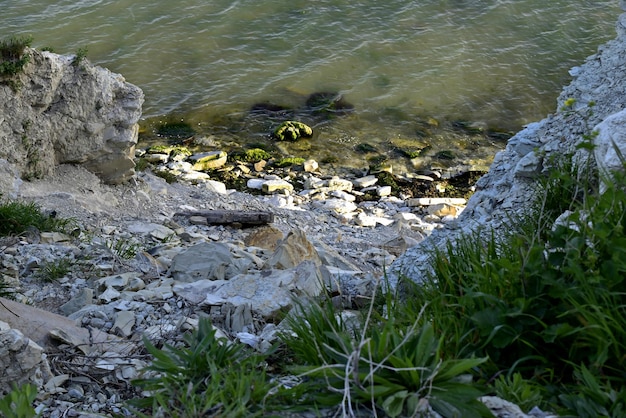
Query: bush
[12,56]
[546,301]
[378,365]
[54,270]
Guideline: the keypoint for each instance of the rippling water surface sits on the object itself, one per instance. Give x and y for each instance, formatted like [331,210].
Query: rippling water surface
[499,62]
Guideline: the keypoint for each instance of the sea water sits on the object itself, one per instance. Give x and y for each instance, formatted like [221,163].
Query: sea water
[498,63]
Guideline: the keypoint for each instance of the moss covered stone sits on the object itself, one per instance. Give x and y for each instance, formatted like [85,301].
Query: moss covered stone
[176,130]
[208,160]
[292,131]
[446,155]
[253,155]
[286,162]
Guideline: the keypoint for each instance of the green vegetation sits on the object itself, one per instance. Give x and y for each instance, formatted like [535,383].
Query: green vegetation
[253,155]
[18,402]
[18,217]
[286,162]
[13,59]
[141,164]
[208,377]
[54,270]
[545,302]
[123,248]
[166,175]
[375,362]
[292,131]
[79,58]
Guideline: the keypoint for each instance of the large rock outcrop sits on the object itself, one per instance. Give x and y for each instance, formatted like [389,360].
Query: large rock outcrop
[596,93]
[63,111]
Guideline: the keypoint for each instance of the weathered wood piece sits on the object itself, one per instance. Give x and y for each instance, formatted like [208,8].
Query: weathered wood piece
[224,217]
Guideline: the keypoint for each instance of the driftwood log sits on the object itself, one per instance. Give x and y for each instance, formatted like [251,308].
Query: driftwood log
[226,217]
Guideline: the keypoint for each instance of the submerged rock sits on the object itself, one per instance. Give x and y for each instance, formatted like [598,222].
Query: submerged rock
[328,103]
[292,131]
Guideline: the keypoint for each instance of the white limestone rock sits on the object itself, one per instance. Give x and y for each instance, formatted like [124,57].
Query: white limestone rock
[610,143]
[21,361]
[207,261]
[70,114]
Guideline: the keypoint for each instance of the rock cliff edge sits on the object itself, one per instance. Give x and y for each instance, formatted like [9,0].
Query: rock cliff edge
[594,101]
[66,110]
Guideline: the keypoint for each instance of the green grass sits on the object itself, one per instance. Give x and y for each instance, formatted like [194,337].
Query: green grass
[51,271]
[13,59]
[17,217]
[207,377]
[379,364]
[544,302]
[79,57]
[18,403]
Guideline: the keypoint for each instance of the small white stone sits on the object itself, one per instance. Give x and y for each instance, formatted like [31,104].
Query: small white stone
[442,209]
[365,220]
[108,229]
[180,166]
[161,232]
[340,194]
[310,166]
[339,206]
[366,181]
[109,295]
[337,183]
[270,186]
[313,183]
[215,186]
[383,191]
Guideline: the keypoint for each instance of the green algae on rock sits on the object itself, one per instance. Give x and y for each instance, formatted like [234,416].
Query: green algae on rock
[292,131]
[208,160]
[290,161]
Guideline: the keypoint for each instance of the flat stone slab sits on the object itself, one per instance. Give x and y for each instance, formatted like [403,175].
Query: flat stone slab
[40,326]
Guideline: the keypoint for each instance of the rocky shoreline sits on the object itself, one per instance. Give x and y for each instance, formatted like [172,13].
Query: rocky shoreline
[135,268]
[142,260]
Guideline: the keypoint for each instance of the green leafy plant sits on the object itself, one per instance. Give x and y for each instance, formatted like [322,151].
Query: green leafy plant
[207,377]
[79,58]
[123,248]
[17,217]
[13,59]
[379,364]
[251,155]
[141,164]
[167,175]
[19,402]
[594,398]
[524,393]
[545,300]
[54,270]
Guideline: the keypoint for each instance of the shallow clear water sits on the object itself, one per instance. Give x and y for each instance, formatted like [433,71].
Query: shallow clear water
[499,62]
